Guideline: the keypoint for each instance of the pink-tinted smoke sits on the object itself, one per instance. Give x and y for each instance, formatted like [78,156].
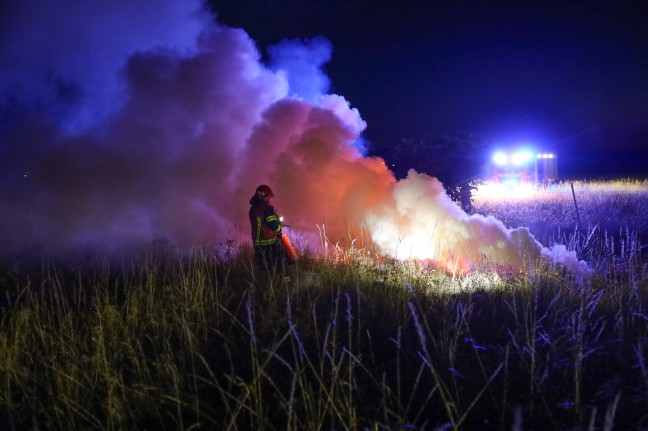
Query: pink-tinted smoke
[191,131]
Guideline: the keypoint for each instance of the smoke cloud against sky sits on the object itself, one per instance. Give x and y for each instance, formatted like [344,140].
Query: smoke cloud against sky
[567,77]
[118,129]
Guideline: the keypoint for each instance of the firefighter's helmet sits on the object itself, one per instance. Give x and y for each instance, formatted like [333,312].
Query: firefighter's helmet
[264,191]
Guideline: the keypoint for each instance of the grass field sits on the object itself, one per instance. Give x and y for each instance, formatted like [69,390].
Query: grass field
[556,209]
[197,341]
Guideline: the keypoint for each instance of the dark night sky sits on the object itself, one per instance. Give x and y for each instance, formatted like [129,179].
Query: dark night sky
[566,76]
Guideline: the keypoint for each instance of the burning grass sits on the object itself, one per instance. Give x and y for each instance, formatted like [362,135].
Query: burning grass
[199,342]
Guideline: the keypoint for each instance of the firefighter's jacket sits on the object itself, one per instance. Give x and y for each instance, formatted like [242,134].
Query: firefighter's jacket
[266,227]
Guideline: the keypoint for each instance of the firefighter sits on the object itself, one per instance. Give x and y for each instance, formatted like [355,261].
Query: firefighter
[266,232]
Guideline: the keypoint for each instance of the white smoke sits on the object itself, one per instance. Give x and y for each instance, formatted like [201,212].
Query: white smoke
[425,223]
[302,61]
[152,122]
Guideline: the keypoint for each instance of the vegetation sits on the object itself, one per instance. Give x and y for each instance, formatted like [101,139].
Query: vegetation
[206,341]
[554,211]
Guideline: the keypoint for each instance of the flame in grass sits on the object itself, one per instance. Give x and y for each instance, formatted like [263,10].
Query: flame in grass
[424,223]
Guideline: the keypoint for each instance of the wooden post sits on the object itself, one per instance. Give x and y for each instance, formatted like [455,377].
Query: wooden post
[576,206]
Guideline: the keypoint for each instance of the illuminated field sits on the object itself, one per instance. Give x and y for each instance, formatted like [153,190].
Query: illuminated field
[548,210]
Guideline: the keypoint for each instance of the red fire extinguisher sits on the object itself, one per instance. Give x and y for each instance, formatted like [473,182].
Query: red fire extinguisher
[291,255]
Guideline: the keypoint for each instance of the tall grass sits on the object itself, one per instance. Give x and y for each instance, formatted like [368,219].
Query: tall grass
[187,342]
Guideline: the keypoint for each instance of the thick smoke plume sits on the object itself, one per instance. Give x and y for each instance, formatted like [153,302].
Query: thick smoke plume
[123,126]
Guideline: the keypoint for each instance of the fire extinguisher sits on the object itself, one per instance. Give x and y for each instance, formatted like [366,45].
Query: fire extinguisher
[291,255]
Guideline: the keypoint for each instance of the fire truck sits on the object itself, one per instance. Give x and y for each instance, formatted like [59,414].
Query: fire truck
[524,166]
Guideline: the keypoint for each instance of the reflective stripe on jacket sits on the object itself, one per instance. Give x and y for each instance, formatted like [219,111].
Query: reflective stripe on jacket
[266,228]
